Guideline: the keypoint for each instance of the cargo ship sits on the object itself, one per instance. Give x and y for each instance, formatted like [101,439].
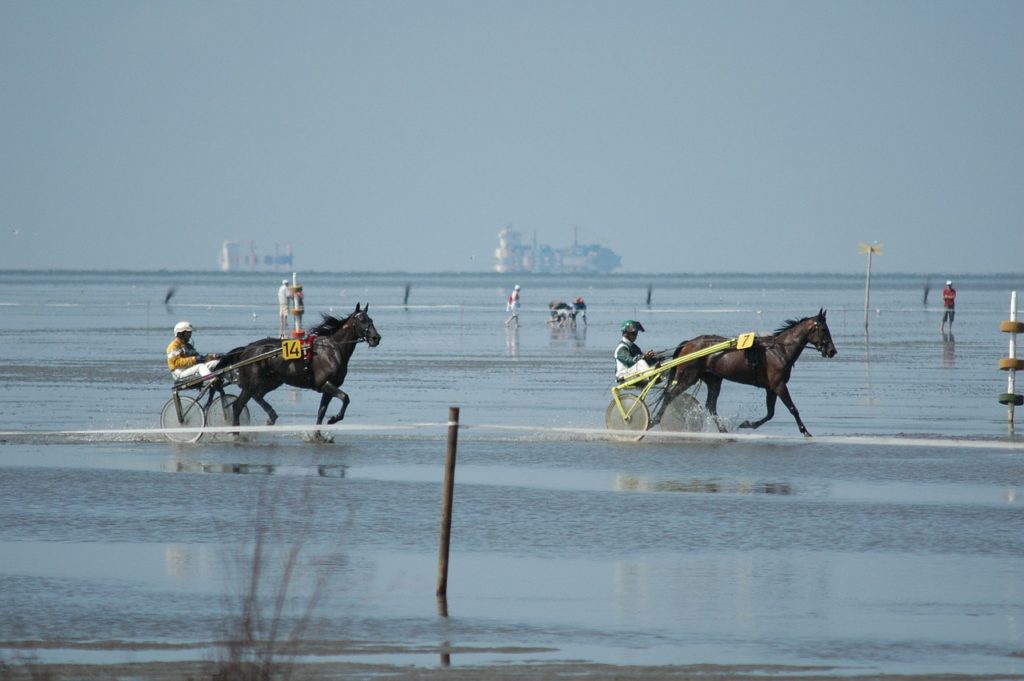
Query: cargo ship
[236,255]
[513,255]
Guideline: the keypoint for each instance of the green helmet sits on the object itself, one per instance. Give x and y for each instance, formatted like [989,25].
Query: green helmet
[632,325]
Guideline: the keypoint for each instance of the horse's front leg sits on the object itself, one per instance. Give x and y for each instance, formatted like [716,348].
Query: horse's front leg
[788,401]
[330,391]
[769,400]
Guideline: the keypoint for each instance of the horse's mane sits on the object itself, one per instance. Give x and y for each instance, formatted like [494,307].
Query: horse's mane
[788,324]
[329,325]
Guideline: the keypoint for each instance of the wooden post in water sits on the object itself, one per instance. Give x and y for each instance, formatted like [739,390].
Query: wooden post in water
[446,508]
[872,249]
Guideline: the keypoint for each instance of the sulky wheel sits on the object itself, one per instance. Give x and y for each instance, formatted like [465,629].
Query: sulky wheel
[638,417]
[192,417]
[683,414]
[219,412]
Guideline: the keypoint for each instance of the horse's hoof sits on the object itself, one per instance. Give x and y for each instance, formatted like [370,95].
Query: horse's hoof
[331,421]
[746,424]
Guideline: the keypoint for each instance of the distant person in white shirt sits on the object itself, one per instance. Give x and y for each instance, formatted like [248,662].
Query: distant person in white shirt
[513,306]
[283,294]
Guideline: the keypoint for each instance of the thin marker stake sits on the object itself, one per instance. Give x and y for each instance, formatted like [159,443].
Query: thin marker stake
[446,504]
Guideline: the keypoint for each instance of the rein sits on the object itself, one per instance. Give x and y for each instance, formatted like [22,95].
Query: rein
[347,342]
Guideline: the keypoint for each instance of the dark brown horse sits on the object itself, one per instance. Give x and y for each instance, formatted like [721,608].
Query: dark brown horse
[333,343]
[767,364]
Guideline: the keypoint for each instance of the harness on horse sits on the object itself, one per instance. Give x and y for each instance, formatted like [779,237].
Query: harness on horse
[307,355]
[309,351]
[750,354]
[769,344]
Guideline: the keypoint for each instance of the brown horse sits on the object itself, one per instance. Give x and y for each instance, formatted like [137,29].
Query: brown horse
[333,343]
[767,364]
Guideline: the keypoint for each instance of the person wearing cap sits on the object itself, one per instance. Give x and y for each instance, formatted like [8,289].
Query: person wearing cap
[182,358]
[629,358]
[513,306]
[579,307]
[948,305]
[282,306]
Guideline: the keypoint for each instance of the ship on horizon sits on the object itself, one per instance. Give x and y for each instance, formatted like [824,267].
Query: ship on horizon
[513,255]
[235,255]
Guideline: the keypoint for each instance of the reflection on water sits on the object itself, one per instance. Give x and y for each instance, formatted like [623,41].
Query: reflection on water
[446,656]
[512,340]
[206,467]
[715,486]
[948,349]
[321,470]
[194,562]
[869,397]
[567,336]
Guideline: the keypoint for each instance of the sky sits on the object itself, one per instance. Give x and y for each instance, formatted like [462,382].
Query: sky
[687,136]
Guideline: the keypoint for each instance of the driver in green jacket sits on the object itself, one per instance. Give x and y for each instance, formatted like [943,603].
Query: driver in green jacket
[629,358]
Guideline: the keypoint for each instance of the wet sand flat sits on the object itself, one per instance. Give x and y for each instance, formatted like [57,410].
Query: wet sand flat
[887,546]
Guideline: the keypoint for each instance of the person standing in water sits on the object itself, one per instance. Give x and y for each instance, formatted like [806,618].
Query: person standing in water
[513,306]
[283,294]
[948,306]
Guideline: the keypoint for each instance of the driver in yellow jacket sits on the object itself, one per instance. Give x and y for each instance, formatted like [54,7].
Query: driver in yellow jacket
[182,358]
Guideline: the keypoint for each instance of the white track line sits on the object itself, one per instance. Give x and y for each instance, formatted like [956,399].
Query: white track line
[230,429]
[554,433]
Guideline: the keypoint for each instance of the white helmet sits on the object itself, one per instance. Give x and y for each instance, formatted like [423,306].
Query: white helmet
[284,281]
[182,326]
[516,287]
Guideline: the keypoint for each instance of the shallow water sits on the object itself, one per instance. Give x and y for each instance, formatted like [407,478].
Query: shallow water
[891,542]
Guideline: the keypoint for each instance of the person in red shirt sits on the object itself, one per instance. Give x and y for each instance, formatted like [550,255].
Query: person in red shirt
[949,306]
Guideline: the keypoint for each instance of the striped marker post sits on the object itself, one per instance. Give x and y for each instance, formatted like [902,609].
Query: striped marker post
[1011,363]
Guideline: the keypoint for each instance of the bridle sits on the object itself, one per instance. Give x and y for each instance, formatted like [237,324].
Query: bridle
[816,337]
[364,332]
